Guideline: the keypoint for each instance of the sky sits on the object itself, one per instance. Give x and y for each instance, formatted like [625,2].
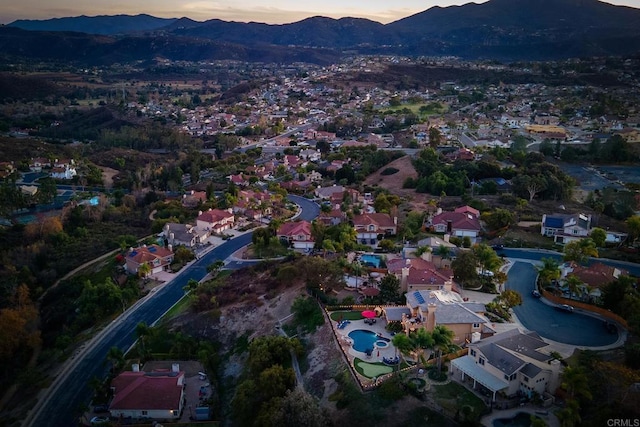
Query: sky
[271,11]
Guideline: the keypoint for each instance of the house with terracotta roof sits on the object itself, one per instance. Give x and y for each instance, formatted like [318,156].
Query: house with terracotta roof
[193,198]
[511,362]
[372,227]
[418,274]
[593,277]
[158,395]
[462,222]
[297,234]
[157,257]
[215,221]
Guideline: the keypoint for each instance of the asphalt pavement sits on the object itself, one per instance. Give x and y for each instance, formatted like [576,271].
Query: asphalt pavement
[61,404]
[577,328]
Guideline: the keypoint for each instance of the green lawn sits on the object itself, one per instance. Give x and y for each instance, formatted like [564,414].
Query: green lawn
[453,397]
[346,315]
[371,370]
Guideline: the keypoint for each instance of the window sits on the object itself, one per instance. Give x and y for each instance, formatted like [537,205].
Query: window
[473,352]
[145,412]
[525,379]
[174,413]
[476,325]
[481,361]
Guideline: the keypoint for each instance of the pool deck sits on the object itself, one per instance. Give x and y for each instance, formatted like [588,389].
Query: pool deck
[550,419]
[378,353]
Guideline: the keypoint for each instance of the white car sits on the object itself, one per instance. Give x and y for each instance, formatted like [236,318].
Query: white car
[99,420]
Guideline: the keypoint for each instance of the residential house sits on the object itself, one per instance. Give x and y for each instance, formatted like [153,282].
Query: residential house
[594,277]
[38,163]
[253,204]
[372,227]
[461,154]
[462,222]
[310,154]
[512,362]
[187,235]
[327,192]
[214,221]
[565,228]
[194,198]
[239,180]
[428,309]
[158,395]
[334,217]
[298,234]
[63,172]
[418,274]
[156,257]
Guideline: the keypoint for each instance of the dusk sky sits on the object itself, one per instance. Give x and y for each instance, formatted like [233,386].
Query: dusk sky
[273,11]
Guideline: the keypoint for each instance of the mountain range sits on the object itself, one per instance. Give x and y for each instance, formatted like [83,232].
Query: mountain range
[504,30]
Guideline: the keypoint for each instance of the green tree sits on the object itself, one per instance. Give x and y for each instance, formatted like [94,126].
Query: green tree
[464,267]
[510,298]
[633,225]
[442,342]
[599,236]
[548,271]
[486,258]
[580,250]
[390,289]
[299,408]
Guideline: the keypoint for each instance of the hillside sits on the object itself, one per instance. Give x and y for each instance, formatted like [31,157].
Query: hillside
[498,29]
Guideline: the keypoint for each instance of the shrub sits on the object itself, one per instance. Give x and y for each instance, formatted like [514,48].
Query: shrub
[389,171]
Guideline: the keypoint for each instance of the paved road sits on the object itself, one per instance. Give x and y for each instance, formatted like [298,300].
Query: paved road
[538,254]
[60,403]
[569,328]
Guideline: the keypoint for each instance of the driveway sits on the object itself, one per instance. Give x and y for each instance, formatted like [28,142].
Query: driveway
[568,328]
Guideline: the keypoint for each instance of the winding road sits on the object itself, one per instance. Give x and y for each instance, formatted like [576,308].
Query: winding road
[60,404]
[568,328]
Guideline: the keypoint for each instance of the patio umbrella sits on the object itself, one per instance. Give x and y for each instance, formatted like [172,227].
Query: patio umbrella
[369,314]
[370,292]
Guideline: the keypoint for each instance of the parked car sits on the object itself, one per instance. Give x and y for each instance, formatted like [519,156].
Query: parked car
[565,307]
[497,247]
[99,420]
[535,293]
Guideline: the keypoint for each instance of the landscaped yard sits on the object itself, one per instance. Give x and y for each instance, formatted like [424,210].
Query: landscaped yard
[371,370]
[454,398]
[337,316]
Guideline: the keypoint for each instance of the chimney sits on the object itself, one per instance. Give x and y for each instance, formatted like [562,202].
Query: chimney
[170,247]
[175,367]
[199,213]
[427,256]
[404,278]
[135,367]
[431,317]
[172,236]
[446,238]
[439,211]
[448,286]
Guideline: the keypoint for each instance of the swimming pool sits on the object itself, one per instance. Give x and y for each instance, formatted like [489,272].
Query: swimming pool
[363,340]
[370,259]
[381,344]
[521,419]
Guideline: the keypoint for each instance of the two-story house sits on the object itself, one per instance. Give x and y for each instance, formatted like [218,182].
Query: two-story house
[462,222]
[565,228]
[427,309]
[418,274]
[156,257]
[297,234]
[372,227]
[214,221]
[511,362]
[176,234]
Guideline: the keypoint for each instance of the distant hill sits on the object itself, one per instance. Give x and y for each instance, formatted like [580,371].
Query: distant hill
[105,25]
[498,29]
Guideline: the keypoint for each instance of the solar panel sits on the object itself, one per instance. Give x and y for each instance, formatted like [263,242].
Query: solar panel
[419,297]
[134,253]
[152,249]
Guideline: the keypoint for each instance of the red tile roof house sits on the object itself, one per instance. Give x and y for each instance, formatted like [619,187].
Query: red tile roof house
[371,226]
[417,274]
[157,257]
[594,276]
[158,395]
[298,234]
[214,221]
[462,222]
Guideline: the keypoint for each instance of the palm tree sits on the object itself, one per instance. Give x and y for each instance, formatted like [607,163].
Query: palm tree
[403,344]
[574,283]
[356,270]
[144,270]
[422,340]
[548,271]
[442,341]
[115,356]
[443,252]
[143,331]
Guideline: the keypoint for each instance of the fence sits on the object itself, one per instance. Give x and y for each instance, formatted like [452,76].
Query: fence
[584,306]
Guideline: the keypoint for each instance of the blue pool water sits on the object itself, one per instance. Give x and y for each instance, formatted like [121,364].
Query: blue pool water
[521,419]
[94,201]
[370,259]
[363,340]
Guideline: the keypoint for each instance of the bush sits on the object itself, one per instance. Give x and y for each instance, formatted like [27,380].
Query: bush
[389,171]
